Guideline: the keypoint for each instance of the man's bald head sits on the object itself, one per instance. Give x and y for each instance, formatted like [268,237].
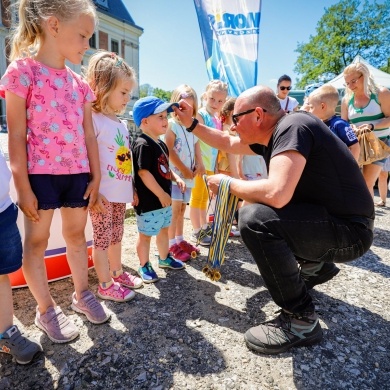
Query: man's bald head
[261,96]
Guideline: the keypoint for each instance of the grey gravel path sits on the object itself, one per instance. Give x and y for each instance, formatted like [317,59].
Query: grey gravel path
[186,332]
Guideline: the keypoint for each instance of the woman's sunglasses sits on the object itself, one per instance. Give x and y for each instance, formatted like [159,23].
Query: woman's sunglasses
[283,88]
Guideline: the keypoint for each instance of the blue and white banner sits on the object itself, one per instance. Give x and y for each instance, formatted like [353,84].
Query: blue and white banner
[230,32]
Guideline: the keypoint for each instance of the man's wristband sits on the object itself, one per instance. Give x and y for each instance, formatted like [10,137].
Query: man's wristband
[371,126]
[193,125]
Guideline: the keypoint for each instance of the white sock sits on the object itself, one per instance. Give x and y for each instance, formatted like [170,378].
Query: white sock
[179,239]
[206,226]
[172,242]
[196,231]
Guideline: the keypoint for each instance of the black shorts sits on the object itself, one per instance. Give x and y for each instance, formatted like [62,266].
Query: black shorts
[11,242]
[56,191]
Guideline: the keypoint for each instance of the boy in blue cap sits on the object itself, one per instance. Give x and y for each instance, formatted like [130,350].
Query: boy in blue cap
[152,178]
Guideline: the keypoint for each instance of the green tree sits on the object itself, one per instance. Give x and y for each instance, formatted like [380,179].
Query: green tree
[147,90]
[347,29]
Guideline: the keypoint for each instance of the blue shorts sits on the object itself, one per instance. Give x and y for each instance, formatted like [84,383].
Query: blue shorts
[180,196]
[152,222]
[11,243]
[56,191]
[382,162]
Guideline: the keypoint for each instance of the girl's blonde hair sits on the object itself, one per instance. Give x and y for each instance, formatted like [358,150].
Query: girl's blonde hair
[28,33]
[368,80]
[217,85]
[182,92]
[104,71]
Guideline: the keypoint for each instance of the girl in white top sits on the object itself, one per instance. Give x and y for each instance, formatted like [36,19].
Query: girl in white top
[287,103]
[112,81]
[185,160]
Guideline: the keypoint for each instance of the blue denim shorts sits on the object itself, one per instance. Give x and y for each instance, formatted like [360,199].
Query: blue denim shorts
[56,191]
[11,243]
[180,196]
[382,162]
[152,222]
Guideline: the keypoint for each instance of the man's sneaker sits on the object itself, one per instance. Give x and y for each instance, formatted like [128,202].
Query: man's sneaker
[21,347]
[58,327]
[201,238]
[91,307]
[178,253]
[170,262]
[147,273]
[234,232]
[190,249]
[285,331]
[128,280]
[116,293]
[317,273]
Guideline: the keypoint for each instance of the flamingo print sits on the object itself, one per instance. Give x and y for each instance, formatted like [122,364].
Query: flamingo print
[59,142]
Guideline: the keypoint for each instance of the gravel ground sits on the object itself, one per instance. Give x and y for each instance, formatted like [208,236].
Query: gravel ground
[186,332]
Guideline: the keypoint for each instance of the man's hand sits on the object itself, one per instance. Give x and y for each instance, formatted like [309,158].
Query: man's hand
[184,112]
[214,181]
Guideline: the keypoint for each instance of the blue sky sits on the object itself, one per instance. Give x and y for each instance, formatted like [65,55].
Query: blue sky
[171,50]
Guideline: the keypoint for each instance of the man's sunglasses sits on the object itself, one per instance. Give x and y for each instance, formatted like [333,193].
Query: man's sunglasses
[235,116]
[283,88]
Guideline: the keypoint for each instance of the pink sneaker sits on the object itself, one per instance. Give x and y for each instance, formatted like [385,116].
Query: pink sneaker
[190,249]
[91,307]
[178,253]
[116,293]
[129,280]
[58,327]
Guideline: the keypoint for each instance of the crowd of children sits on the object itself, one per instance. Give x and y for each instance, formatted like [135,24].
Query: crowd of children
[77,157]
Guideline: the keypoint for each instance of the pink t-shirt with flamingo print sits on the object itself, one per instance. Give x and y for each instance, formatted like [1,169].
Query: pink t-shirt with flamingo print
[55,101]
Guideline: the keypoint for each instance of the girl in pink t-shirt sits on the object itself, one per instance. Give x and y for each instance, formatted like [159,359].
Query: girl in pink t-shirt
[112,81]
[52,148]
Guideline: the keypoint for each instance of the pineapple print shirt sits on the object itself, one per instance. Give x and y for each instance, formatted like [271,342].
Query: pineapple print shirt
[116,164]
[55,101]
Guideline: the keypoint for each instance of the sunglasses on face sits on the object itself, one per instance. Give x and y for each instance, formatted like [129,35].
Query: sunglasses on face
[235,116]
[352,82]
[283,88]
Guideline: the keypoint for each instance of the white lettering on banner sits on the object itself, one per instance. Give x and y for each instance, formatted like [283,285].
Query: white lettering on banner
[230,23]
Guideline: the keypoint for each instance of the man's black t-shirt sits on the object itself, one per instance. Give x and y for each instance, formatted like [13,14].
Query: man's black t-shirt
[152,156]
[331,176]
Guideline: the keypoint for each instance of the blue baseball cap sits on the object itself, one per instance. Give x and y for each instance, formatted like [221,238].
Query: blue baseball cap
[148,106]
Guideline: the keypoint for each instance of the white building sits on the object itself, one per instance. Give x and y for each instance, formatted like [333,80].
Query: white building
[116,32]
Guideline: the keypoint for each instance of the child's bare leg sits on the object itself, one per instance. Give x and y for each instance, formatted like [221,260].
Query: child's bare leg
[73,230]
[34,268]
[143,248]
[115,256]
[172,230]
[180,220]
[100,261]
[162,243]
[6,313]
[195,218]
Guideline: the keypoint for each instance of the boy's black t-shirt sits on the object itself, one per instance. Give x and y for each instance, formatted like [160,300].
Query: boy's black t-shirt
[331,176]
[152,156]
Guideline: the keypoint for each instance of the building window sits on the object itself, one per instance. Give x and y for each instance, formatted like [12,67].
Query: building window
[114,46]
[92,41]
